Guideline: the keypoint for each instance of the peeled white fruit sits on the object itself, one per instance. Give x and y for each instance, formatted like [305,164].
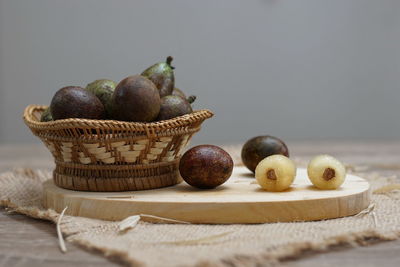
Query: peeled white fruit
[326,172]
[275,173]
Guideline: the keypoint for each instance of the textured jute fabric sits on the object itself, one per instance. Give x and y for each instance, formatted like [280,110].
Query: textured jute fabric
[151,244]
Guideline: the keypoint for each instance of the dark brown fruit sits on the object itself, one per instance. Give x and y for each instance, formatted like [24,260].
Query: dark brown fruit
[191,99]
[178,92]
[75,102]
[206,166]
[136,98]
[260,147]
[173,106]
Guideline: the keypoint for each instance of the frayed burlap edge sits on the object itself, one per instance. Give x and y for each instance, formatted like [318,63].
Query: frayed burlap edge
[34,212]
[52,216]
[298,250]
[287,252]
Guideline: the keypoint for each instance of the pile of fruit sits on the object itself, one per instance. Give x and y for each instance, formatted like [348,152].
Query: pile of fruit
[150,96]
[209,166]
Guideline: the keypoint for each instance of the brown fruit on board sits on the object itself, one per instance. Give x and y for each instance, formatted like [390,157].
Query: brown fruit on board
[260,147]
[135,98]
[75,102]
[206,166]
[173,106]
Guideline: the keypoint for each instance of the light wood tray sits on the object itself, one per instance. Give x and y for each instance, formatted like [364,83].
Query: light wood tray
[240,200]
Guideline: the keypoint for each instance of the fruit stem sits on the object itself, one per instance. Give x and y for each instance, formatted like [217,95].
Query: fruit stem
[329,173]
[169,60]
[271,174]
[191,99]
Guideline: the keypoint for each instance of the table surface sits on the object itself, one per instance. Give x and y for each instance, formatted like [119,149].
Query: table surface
[29,242]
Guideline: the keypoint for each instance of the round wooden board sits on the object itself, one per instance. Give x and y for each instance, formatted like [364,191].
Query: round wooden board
[240,200]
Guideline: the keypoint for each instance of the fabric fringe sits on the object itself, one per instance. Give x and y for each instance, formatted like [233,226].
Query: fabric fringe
[269,257]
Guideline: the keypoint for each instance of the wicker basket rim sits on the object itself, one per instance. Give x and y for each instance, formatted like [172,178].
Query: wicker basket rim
[182,121]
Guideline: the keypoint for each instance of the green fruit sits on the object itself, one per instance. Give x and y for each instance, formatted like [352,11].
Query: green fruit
[136,99]
[76,102]
[162,75]
[260,147]
[104,90]
[46,115]
[173,106]
[191,99]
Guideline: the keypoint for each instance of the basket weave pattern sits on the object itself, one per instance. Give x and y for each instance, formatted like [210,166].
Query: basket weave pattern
[105,155]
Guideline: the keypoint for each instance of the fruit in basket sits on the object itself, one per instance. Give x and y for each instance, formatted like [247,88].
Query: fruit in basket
[275,173]
[162,75]
[76,102]
[206,166]
[191,99]
[104,90]
[178,92]
[173,106]
[46,115]
[326,172]
[136,98]
[260,147]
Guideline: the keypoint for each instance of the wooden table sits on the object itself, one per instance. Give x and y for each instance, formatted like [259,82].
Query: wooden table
[28,242]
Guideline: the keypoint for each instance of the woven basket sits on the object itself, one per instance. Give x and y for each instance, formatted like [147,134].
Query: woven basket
[106,155]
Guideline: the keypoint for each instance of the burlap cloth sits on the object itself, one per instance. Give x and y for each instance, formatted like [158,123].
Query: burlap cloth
[210,245]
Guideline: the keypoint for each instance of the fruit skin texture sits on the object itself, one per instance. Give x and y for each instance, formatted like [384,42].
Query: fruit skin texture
[275,173]
[178,92]
[76,102]
[46,115]
[326,172]
[104,90]
[173,106]
[136,99]
[260,147]
[162,75]
[206,166]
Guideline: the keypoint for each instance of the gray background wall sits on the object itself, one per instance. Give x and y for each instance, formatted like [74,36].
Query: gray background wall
[296,69]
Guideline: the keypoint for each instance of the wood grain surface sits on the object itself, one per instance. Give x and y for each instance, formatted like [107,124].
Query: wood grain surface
[29,242]
[239,200]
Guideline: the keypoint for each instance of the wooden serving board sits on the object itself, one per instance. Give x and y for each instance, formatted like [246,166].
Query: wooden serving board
[239,200]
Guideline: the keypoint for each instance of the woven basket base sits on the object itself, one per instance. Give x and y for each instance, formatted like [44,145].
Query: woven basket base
[116,184]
